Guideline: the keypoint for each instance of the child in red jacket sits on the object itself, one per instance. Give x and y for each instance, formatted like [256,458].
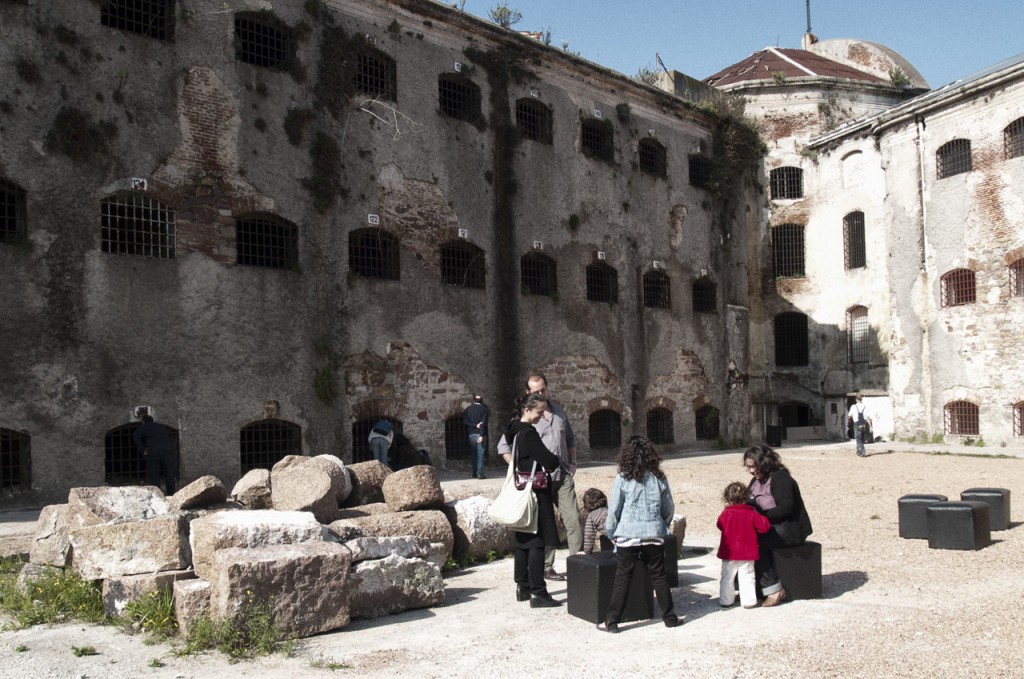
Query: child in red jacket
[740,523]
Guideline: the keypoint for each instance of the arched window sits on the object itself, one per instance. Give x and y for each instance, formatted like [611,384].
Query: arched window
[653,157]
[1018,419]
[788,251]
[657,290]
[597,139]
[462,265]
[267,241]
[456,438]
[538,274]
[261,39]
[706,422]
[373,253]
[659,426]
[961,418]
[15,460]
[791,346]
[705,296]
[458,97]
[376,75]
[602,283]
[953,157]
[361,437]
[786,183]
[264,443]
[605,429]
[151,18]
[132,223]
[956,287]
[1016,270]
[795,414]
[1013,139]
[123,463]
[853,240]
[12,212]
[858,335]
[533,120]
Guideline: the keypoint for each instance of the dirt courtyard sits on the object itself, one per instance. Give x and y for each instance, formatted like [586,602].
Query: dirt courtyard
[891,607]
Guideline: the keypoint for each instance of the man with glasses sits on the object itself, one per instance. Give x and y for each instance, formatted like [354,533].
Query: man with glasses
[558,436]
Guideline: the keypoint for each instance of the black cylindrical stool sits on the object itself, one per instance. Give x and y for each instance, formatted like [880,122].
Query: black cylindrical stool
[913,520]
[998,500]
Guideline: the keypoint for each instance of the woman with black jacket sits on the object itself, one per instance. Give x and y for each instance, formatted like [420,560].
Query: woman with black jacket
[775,494]
[527,448]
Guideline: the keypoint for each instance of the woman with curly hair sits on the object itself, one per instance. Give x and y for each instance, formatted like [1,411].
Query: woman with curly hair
[638,519]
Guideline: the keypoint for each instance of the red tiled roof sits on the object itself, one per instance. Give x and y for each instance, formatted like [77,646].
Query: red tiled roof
[792,63]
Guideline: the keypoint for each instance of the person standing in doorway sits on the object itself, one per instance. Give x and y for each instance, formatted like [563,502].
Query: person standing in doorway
[475,418]
[380,440]
[155,446]
[861,421]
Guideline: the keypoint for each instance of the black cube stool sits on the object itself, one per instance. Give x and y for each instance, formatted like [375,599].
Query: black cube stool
[589,580]
[799,569]
[958,525]
[671,557]
[998,500]
[913,519]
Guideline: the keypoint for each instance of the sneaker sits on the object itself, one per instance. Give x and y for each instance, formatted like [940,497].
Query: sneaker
[550,574]
[774,599]
[612,627]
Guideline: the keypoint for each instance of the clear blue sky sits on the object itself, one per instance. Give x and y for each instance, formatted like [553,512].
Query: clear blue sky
[944,39]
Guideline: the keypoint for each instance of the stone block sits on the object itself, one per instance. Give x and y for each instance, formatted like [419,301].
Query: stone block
[407,546]
[416,487]
[92,506]
[341,481]
[31,572]
[257,528]
[364,510]
[119,591]
[392,585]
[203,492]
[191,602]
[51,544]
[367,481]
[678,528]
[428,523]
[474,531]
[253,490]
[131,547]
[304,488]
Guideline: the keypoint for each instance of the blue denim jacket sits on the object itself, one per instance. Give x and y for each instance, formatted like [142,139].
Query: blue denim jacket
[639,509]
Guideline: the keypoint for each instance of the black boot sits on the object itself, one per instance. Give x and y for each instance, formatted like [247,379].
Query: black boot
[543,601]
[522,593]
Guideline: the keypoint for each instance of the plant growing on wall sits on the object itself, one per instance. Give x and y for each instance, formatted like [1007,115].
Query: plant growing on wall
[504,16]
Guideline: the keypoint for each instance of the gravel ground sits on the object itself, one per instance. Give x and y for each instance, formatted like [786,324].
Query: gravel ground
[891,607]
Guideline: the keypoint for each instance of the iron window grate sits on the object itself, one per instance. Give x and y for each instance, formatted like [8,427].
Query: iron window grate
[1013,139]
[706,423]
[788,251]
[786,183]
[263,444]
[533,120]
[261,41]
[791,345]
[456,439]
[459,98]
[12,212]
[956,287]
[653,157]
[123,463]
[361,437]
[373,254]
[376,75]
[700,171]
[462,265]
[602,284]
[15,460]
[1018,419]
[659,426]
[596,139]
[953,157]
[267,242]
[135,224]
[853,240]
[538,274]
[705,296]
[657,290]
[605,429]
[151,18]
[858,335]
[1017,278]
[961,418]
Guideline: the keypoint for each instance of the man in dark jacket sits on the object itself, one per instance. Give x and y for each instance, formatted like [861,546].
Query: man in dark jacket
[153,443]
[475,418]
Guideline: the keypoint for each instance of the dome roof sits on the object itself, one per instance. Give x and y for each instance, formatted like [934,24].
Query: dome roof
[869,57]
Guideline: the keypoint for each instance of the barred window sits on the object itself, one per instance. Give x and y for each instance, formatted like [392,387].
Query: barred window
[659,426]
[361,437]
[788,250]
[700,171]
[373,253]
[264,443]
[376,75]
[459,97]
[858,335]
[456,439]
[123,462]
[961,418]
[653,157]
[12,212]
[533,120]
[15,460]
[602,283]
[539,274]
[705,296]
[597,139]
[956,287]
[1018,419]
[1013,139]
[657,290]
[706,422]
[853,240]
[953,157]
[462,265]
[151,18]
[1017,278]
[134,224]
[786,183]
[266,240]
[605,429]
[791,345]
[262,40]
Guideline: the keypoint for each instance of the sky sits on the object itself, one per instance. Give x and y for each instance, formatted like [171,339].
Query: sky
[944,39]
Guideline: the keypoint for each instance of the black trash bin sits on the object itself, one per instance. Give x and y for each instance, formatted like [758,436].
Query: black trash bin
[773,436]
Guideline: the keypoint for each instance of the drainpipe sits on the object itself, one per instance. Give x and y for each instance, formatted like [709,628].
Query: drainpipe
[926,386]
[919,124]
